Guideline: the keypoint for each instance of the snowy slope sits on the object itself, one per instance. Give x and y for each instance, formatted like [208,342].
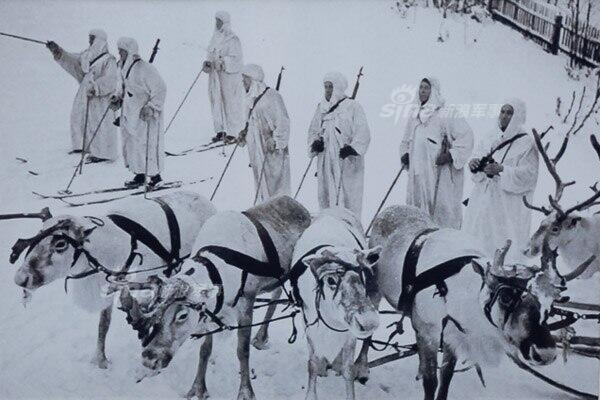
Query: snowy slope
[45,348]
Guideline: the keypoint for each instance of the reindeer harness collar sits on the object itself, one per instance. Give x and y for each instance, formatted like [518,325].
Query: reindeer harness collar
[434,276]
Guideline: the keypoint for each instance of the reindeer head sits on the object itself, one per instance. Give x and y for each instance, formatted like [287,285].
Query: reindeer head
[342,301]
[561,225]
[516,300]
[51,253]
[164,313]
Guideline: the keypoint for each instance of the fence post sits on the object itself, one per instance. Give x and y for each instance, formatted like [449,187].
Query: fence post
[490,7]
[554,47]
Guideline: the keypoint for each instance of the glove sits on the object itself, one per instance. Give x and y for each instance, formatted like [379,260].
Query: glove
[146,113]
[54,49]
[493,169]
[443,159]
[404,159]
[115,102]
[207,66]
[474,164]
[347,151]
[271,145]
[242,137]
[317,146]
[91,91]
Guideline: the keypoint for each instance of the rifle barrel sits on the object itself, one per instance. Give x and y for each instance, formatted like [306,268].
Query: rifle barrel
[23,38]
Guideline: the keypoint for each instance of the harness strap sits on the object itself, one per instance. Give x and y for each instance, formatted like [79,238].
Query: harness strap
[215,278]
[242,261]
[141,234]
[268,245]
[174,232]
[296,272]
[435,276]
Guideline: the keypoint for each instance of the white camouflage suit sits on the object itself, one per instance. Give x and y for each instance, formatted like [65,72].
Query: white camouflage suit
[143,138]
[225,90]
[346,125]
[496,211]
[422,140]
[96,71]
[267,137]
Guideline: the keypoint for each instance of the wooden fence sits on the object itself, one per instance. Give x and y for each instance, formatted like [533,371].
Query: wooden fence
[547,27]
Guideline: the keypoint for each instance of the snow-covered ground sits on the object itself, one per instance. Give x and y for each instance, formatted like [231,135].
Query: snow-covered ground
[45,349]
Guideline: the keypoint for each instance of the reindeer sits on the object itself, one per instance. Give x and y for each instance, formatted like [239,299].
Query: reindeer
[236,256]
[568,232]
[457,299]
[88,249]
[335,296]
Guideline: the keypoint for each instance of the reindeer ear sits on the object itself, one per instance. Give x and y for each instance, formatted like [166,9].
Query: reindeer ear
[578,220]
[370,257]
[478,268]
[308,260]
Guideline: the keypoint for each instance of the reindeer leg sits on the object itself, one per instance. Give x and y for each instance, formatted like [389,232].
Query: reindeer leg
[100,357]
[261,339]
[245,307]
[428,366]
[448,364]
[348,367]
[311,389]
[361,365]
[199,386]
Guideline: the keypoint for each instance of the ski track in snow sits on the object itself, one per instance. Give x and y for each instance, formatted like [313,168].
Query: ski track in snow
[45,348]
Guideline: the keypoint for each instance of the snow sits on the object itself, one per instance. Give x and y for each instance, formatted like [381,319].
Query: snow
[45,349]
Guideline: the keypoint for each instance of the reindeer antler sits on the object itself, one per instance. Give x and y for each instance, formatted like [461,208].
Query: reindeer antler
[551,166]
[500,255]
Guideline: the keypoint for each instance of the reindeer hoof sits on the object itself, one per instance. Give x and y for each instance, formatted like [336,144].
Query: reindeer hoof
[100,361]
[261,342]
[361,373]
[196,392]
[246,393]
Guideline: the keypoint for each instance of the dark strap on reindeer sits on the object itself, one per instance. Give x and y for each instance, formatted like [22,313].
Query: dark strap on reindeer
[434,276]
[296,272]
[141,234]
[215,279]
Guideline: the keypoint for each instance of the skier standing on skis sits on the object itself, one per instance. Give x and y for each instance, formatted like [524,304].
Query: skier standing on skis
[224,65]
[435,148]
[96,71]
[141,97]
[339,137]
[267,135]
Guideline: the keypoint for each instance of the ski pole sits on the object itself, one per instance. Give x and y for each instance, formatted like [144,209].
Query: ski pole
[339,190]
[385,198]
[304,176]
[147,151]
[262,172]
[183,101]
[85,125]
[223,173]
[23,38]
[66,191]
